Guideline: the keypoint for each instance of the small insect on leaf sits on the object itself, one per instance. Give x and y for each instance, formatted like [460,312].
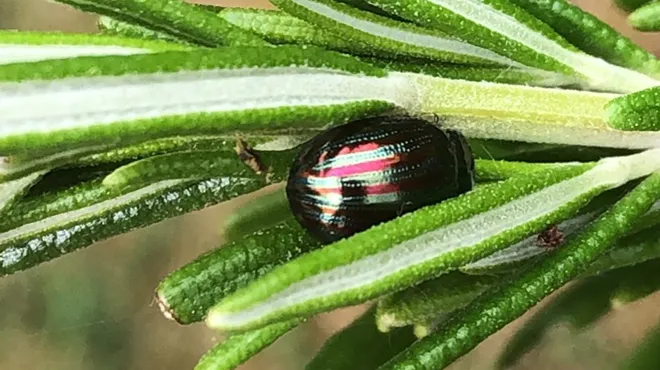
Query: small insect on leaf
[354,176]
[550,238]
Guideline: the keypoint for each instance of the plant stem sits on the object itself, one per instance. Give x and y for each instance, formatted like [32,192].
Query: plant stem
[523,113]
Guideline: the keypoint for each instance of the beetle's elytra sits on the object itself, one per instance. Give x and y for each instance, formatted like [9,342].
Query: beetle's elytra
[357,175]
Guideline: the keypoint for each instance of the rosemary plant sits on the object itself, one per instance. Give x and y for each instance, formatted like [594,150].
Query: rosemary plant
[562,112]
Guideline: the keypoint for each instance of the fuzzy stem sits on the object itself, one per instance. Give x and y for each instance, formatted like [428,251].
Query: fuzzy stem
[523,113]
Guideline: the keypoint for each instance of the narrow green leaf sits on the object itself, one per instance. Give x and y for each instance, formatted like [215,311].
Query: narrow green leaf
[442,296]
[425,243]
[20,47]
[364,5]
[490,312]
[206,92]
[493,170]
[524,251]
[32,243]
[646,18]
[258,213]
[502,27]
[279,27]
[431,299]
[165,146]
[638,111]
[592,35]
[11,191]
[111,26]
[636,282]
[175,17]
[186,294]
[361,346]
[180,165]
[241,347]
[388,37]
[639,247]
[19,165]
[31,209]
[503,75]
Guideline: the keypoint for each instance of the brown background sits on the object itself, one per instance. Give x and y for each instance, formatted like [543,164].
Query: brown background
[94,309]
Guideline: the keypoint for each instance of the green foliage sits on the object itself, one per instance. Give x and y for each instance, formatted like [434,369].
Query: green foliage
[175,107]
[187,294]
[646,18]
[639,111]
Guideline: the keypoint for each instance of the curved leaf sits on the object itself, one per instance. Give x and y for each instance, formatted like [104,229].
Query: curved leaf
[39,241]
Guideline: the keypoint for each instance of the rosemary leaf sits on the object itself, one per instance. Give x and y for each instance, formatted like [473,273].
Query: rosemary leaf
[425,243]
[491,312]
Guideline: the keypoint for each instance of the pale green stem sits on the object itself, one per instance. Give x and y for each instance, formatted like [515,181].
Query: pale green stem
[524,113]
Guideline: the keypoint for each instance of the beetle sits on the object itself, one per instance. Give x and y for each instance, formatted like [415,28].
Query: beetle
[357,175]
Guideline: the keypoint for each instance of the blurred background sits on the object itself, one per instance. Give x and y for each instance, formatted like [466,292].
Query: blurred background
[94,309]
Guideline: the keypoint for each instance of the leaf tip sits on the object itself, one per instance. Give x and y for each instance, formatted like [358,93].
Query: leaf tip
[165,308]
